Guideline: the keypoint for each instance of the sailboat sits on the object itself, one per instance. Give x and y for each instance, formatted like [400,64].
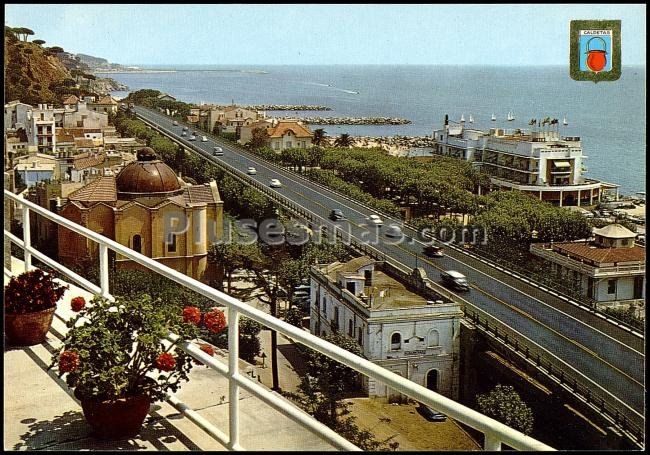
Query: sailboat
[494,118]
[564,122]
[471,119]
[462,118]
[510,117]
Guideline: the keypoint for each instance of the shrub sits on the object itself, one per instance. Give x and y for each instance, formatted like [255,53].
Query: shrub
[32,291]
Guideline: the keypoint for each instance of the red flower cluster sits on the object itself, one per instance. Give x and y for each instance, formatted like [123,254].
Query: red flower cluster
[68,361]
[207,348]
[78,303]
[192,315]
[215,320]
[166,362]
[32,291]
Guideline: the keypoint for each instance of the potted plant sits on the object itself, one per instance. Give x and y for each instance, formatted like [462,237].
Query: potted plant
[115,358]
[30,302]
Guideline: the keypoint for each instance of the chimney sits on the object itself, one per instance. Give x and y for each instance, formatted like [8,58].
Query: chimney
[446,120]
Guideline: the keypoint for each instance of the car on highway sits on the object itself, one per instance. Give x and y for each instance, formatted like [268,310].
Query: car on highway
[251,170]
[336,215]
[275,183]
[184,133]
[217,151]
[374,219]
[204,139]
[175,123]
[430,414]
[192,138]
[454,280]
[433,251]
[394,231]
[184,128]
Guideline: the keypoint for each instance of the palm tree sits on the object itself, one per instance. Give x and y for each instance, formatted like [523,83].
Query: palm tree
[344,140]
[319,136]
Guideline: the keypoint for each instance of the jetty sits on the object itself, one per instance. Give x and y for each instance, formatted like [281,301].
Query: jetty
[349,120]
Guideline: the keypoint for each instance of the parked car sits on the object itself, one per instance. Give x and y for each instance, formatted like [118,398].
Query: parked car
[204,139]
[184,133]
[374,219]
[455,280]
[394,231]
[192,138]
[430,414]
[251,170]
[175,123]
[433,251]
[184,128]
[275,183]
[336,215]
[217,151]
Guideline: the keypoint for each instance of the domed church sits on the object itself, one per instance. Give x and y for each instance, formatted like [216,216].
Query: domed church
[149,209]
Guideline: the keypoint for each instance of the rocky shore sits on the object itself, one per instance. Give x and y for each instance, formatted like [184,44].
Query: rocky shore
[106,85]
[288,107]
[350,120]
[394,145]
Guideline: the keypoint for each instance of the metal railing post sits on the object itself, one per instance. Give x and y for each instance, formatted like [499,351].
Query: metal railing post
[233,372]
[491,443]
[103,270]
[27,240]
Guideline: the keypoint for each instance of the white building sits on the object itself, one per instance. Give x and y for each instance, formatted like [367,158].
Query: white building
[541,163]
[399,321]
[610,269]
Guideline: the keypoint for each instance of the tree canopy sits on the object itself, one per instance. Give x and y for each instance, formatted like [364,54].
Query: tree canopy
[504,404]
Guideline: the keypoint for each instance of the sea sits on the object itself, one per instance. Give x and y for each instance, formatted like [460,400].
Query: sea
[608,116]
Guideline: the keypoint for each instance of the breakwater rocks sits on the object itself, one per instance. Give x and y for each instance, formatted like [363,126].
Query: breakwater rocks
[288,107]
[350,120]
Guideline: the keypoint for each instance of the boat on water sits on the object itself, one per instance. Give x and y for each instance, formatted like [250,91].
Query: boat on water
[494,118]
[471,119]
[564,122]
[462,118]
[510,117]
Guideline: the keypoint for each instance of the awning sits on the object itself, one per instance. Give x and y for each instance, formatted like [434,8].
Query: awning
[561,164]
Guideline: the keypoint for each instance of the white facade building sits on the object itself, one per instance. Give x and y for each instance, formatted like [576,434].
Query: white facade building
[400,322]
[541,163]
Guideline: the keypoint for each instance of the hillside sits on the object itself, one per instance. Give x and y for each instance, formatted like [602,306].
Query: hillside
[38,74]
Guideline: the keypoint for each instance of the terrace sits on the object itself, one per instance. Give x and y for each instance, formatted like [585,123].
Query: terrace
[221,407]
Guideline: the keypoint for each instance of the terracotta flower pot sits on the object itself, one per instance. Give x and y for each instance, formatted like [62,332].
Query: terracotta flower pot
[28,329]
[116,419]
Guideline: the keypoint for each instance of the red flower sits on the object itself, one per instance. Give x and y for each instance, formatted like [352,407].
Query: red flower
[166,362]
[207,348]
[215,320]
[78,303]
[192,315]
[68,361]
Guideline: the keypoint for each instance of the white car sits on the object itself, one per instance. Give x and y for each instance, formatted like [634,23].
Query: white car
[192,138]
[184,133]
[394,231]
[251,170]
[275,183]
[218,151]
[175,123]
[204,139]
[374,219]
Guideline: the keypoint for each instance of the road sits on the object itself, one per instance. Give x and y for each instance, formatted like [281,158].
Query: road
[614,364]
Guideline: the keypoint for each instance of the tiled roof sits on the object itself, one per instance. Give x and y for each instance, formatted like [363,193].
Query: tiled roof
[598,255]
[64,138]
[106,100]
[100,190]
[88,161]
[192,118]
[198,193]
[72,99]
[282,127]
[82,142]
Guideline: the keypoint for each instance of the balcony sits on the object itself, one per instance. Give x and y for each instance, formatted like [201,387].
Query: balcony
[215,398]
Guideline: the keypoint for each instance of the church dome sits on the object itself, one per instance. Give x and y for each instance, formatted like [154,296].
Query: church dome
[148,176]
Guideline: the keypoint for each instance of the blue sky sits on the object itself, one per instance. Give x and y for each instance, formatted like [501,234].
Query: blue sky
[324,34]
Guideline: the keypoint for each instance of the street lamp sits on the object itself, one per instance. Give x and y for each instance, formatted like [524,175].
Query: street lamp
[263,356]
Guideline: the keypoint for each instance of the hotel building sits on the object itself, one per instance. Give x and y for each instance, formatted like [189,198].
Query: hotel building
[541,163]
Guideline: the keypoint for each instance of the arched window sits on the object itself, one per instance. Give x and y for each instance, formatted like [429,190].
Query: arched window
[432,380]
[433,339]
[137,243]
[396,341]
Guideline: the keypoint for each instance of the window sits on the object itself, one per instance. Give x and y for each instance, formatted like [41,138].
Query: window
[324,306]
[351,286]
[350,328]
[626,242]
[396,341]
[611,286]
[360,336]
[276,145]
[137,243]
[433,339]
[336,314]
[171,244]
[289,144]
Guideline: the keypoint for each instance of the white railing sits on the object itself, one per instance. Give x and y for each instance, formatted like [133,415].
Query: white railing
[496,433]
